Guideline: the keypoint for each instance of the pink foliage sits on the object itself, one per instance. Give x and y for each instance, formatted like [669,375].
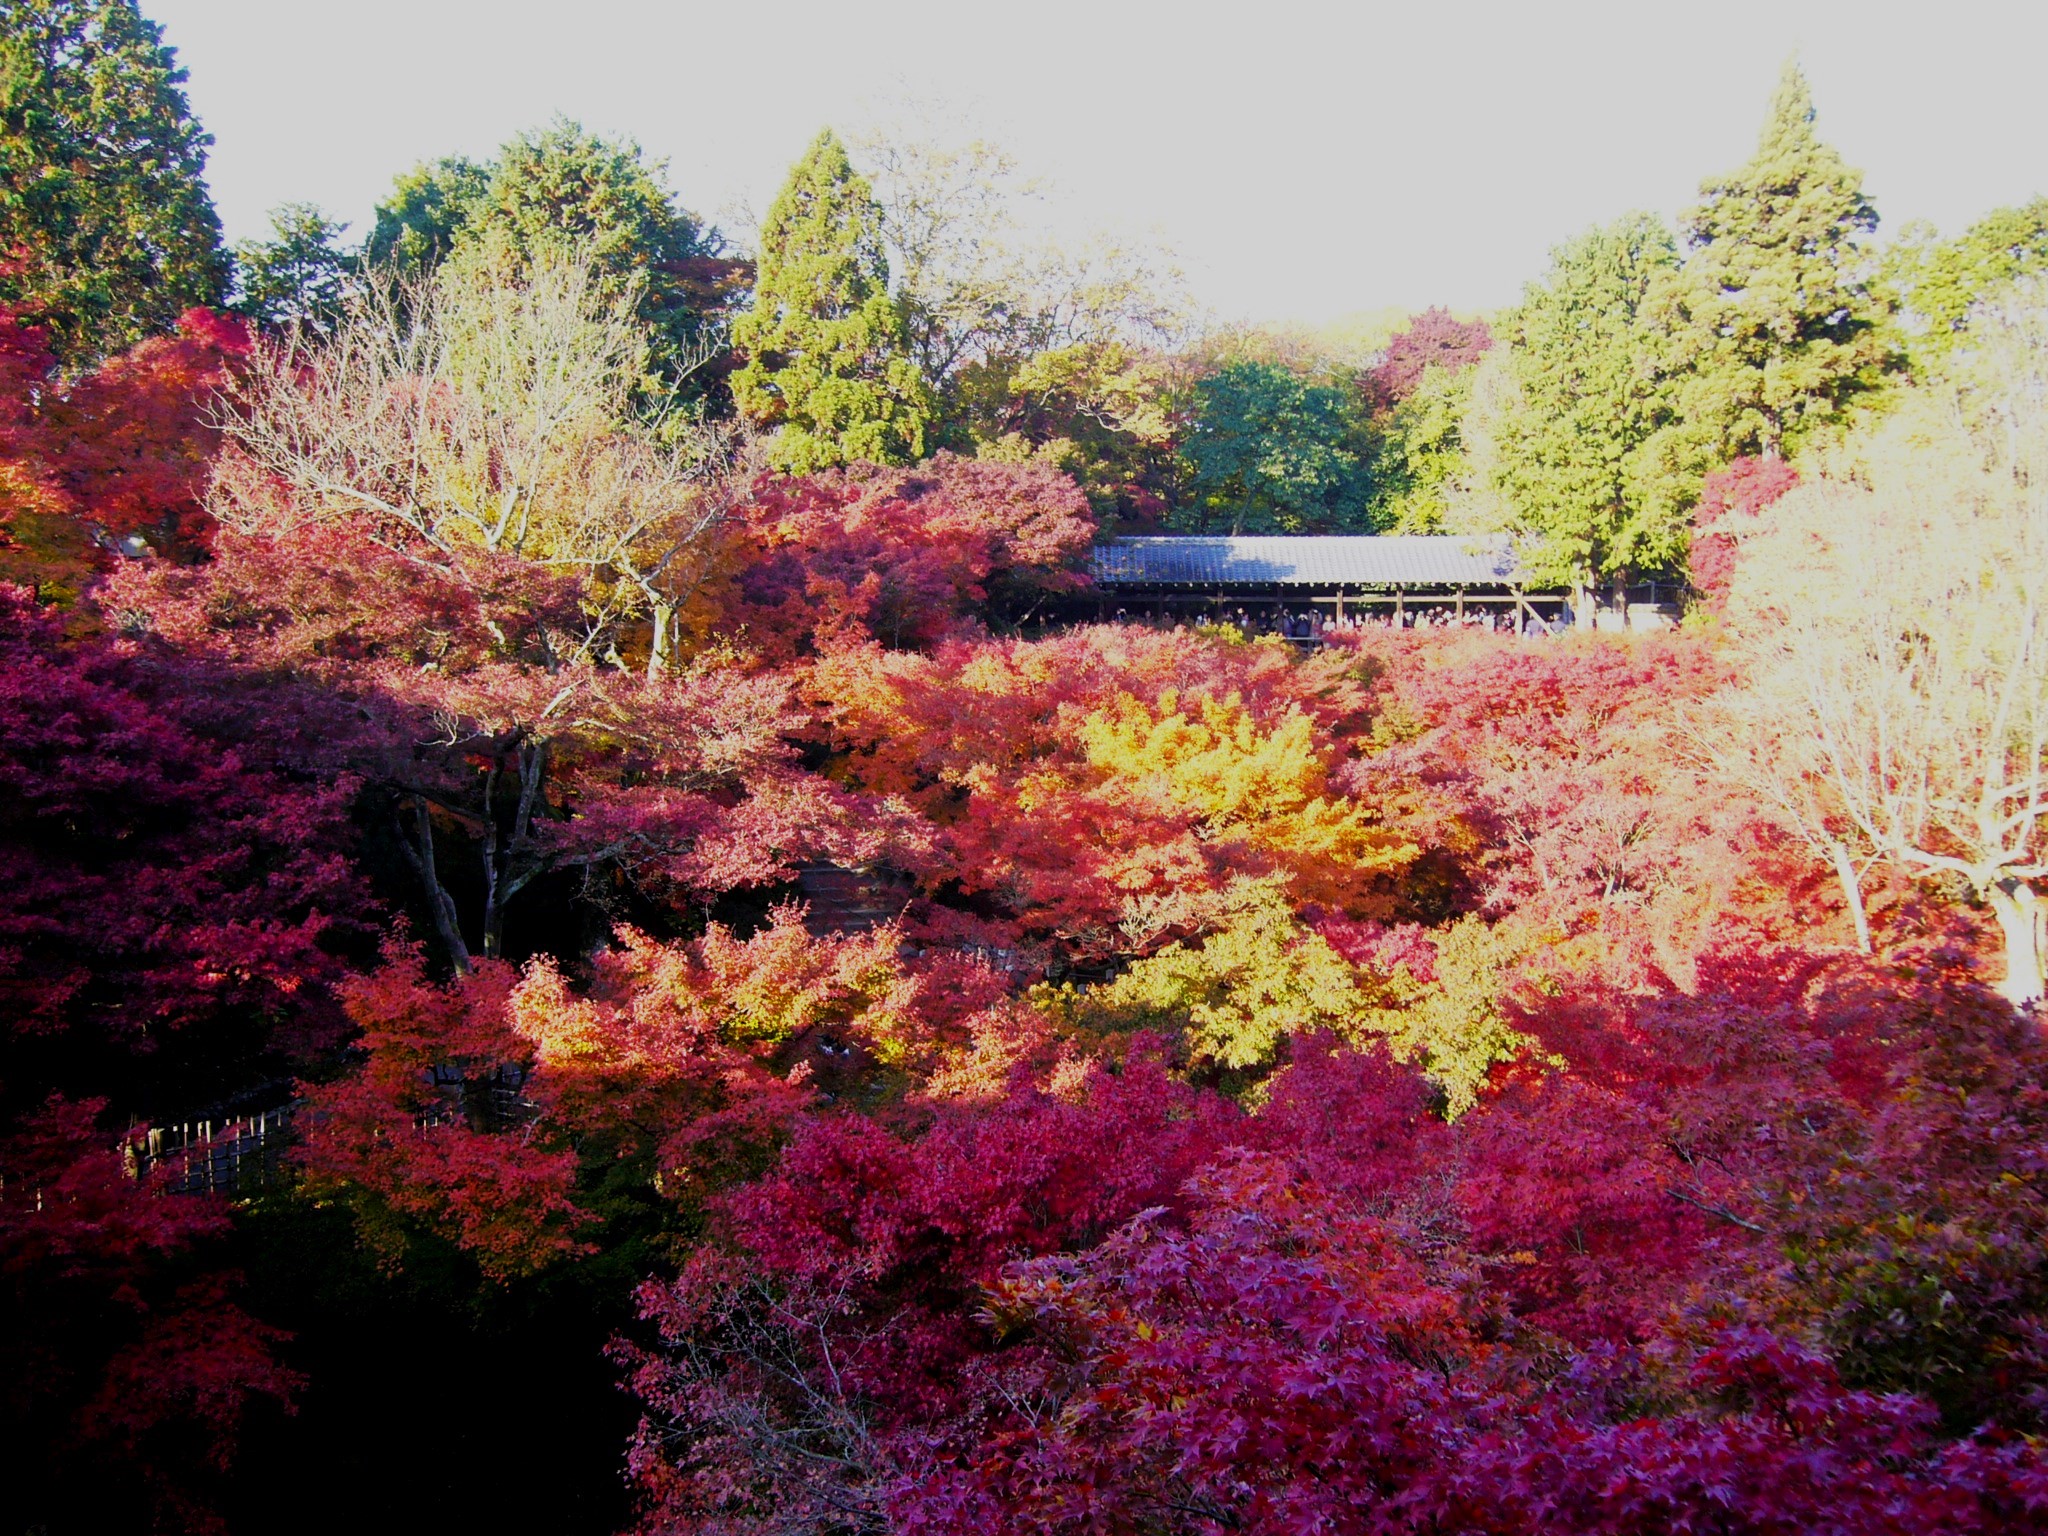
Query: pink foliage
[124,448]
[901,556]
[1729,502]
[1433,338]
[156,882]
[124,1358]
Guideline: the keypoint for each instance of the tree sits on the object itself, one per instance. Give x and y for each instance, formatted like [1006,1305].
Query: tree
[902,556]
[1616,1288]
[1102,790]
[1418,451]
[1770,327]
[486,409]
[827,366]
[116,458]
[1433,339]
[979,290]
[427,207]
[1729,501]
[298,276]
[1568,450]
[499,1107]
[950,220]
[170,917]
[1035,351]
[562,186]
[1939,283]
[447,513]
[106,227]
[1268,453]
[1895,631]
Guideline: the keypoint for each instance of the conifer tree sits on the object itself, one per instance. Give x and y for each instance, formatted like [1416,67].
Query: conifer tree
[826,360]
[1770,327]
[1939,283]
[426,209]
[1586,405]
[107,233]
[562,186]
[299,275]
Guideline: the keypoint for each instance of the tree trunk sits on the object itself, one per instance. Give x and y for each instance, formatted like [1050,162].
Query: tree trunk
[1852,893]
[2023,920]
[657,650]
[509,859]
[440,904]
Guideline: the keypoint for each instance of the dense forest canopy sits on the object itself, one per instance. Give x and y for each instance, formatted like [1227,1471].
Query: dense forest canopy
[580,916]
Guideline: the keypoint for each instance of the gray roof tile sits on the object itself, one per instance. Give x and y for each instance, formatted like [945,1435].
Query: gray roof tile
[1325,560]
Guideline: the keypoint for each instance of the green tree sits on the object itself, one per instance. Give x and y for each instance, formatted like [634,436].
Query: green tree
[1568,450]
[1771,326]
[1939,282]
[1269,453]
[417,224]
[563,185]
[827,365]
[104,214]
[299,275]
[1417,449]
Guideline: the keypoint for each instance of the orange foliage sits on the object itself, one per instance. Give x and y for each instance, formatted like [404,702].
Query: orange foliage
[1074,777]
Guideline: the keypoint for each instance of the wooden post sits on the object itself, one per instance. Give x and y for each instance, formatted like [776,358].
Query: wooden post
[1461,604]
[1340,607]
[1400,611]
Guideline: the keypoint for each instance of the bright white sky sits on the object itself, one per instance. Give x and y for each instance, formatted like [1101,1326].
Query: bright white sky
[1304,160]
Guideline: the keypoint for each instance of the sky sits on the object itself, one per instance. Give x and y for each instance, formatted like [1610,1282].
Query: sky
[1304,161]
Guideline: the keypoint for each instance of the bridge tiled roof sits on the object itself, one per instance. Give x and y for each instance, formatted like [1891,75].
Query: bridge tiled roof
[1318,561]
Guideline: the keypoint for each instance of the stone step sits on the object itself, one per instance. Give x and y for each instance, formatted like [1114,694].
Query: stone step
[850,900]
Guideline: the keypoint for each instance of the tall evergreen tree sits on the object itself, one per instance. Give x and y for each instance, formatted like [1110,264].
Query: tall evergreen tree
[427,207]
[298,276]
[565,184]
[1569,450]
[107,232]
[827,365]
[1940,281]
[1770,327]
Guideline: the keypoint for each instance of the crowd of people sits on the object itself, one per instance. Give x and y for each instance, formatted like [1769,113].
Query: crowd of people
[1313,625]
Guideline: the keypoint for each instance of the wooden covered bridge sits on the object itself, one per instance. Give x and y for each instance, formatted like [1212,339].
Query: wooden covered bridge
[1341,577]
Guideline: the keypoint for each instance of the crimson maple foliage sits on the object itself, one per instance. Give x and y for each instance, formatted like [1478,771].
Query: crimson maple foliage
[1567,795]
[899,556]
[126,1364]
[173,909]
[1591,1300]
[123,450]
[490,760]
[1434,338]
[1729,500]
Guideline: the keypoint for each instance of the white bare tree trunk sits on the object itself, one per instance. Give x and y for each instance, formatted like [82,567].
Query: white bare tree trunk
[2023,920]
[1852,894]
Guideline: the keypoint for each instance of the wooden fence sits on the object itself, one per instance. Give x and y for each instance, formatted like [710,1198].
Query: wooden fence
[201,1157]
